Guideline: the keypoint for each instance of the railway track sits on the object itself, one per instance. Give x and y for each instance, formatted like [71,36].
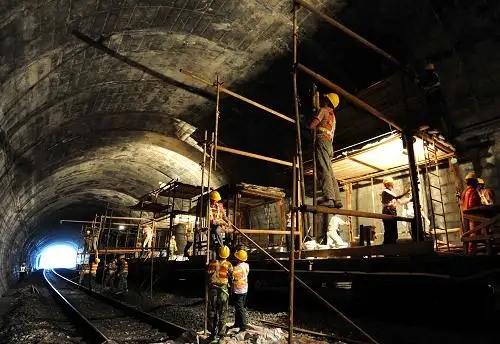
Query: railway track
[104,320]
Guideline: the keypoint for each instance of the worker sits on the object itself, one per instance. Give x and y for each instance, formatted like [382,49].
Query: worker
[470,199]
[240,289]
[189,240]
[333,238]
[219,223]
[109,281]
[437,113]
[22,272]
[487,194]
[88,240]
[410,212]
[219,275]
[324,124]
[93,273]
[147,233]
[122,274]
[389,203]
[172,247]
[85,273]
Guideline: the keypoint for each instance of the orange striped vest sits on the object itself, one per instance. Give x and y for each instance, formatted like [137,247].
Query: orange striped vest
[240,278]
[219,272]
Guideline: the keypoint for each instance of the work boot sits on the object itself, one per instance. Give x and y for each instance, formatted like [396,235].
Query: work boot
[332,204]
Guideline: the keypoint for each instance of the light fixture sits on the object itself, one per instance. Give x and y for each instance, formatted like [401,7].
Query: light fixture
[121,227]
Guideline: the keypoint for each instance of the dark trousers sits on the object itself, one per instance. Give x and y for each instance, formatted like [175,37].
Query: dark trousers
[22,276]
[326,178]
[390,231]
[240,313]
[187,247]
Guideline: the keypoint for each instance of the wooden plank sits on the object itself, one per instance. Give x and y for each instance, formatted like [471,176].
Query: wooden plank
[347,212]
[266,231]
[403,249]
[483,237]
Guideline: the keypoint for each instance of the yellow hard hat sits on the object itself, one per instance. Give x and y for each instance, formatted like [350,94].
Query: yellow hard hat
[215,196]
[241,255]
[122,256]
[480,181]
[429,66]
[334,99]
[97,260]
[470,175]
[224,252]
[388,180]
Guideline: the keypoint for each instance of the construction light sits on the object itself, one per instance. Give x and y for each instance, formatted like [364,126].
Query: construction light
[121,227]
[454,161]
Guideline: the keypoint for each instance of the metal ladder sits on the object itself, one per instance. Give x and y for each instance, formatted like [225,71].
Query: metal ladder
[434,194]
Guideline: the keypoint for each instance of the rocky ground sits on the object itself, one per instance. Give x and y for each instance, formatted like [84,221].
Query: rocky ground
[30,315]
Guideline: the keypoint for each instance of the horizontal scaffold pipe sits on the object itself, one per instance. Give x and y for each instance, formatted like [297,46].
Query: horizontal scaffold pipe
[238,96]
[347,212]
[350,97]
[253,155]
[348,32]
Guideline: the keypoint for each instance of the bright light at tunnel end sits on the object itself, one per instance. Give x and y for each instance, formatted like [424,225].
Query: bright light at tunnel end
[57,256]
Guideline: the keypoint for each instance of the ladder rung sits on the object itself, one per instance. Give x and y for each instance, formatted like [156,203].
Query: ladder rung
[436,200]
[435,187]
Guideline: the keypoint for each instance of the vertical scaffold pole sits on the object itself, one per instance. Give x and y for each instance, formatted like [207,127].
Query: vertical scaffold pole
[315,190]
[296,100]
[292,250]
[203,164]
[217,113]
[210,165]
[408,138]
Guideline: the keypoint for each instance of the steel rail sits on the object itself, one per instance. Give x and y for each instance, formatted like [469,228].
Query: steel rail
[90,332]
[173,330]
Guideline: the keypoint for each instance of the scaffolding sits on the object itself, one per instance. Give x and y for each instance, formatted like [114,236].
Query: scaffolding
[298,188]
[299,207]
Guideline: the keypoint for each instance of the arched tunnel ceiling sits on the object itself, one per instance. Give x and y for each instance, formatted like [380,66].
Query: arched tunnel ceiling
[79,128]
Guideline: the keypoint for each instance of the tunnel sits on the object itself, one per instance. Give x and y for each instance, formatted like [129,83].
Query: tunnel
[96,112]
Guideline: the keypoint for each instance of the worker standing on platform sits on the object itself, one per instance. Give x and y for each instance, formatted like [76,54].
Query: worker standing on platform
[147,233]
[93,273]
[240,289]
[110,274]
[219,275]
[324,124]
[95,239]
[470,199]
[88,240]
[219,222]
[487,194]
[437,113]
[389,203]
[122,275]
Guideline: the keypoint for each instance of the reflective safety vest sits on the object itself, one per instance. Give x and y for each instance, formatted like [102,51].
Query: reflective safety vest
[216,212]
[240,278]
[93,268]
[219,272]
[124,266]
[327,125]
[86,268]
[23,268]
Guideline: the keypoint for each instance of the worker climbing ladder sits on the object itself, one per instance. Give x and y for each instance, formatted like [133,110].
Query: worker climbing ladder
[435,196]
